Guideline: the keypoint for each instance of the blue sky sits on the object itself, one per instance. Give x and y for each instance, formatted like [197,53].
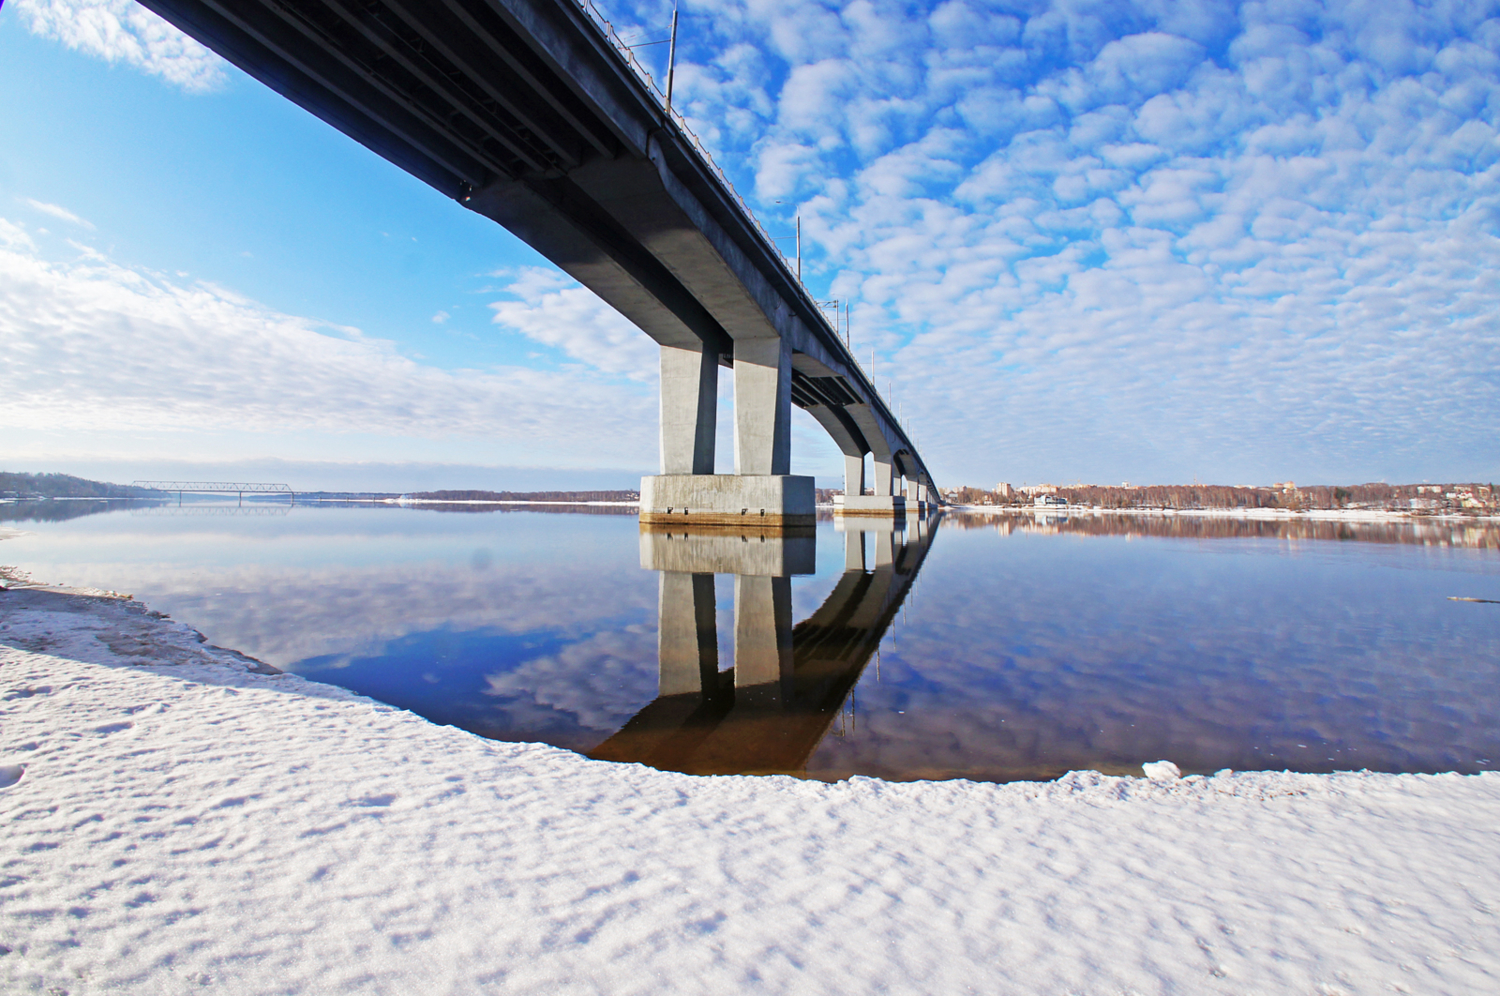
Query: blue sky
[1107,242]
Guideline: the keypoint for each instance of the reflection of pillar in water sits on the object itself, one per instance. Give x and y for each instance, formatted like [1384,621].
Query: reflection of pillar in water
[687,639]
[885,547]
[782,704]
[854,550]
[762,639]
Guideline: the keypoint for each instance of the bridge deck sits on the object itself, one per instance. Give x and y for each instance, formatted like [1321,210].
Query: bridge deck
[532,113]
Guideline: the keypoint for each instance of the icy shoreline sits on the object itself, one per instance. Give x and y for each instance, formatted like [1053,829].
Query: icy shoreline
[176,821]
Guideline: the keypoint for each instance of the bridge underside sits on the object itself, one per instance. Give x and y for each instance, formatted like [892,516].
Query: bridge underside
[525,112]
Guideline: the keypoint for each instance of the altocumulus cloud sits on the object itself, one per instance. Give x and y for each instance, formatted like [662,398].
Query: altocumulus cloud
[93,345]
[550,308]
[1138,239]
[124,31]
[1119,239]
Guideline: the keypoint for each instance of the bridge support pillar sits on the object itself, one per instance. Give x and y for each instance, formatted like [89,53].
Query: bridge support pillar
[884,502]
[762,640]
[687,638]
[762,406]
[689,409]
[760,491]
[854,474]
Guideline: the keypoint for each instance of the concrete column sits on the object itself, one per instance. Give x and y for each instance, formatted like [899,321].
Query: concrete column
[883,475]
[762,407]
[762,640]
[687,639]
[689,409]
[854,474]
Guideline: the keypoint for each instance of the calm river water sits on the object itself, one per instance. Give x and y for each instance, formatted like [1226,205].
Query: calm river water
[973,646]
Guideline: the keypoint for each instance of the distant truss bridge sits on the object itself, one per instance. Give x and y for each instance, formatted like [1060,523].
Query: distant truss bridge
[240,488]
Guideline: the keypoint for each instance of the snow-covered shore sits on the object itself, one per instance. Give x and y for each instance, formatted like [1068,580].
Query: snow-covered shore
[177,822]
[1255,514]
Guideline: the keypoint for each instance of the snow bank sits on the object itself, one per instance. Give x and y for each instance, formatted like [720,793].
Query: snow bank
[177,822]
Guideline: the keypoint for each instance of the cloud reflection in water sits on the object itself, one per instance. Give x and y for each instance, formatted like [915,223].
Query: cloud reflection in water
[1028,646]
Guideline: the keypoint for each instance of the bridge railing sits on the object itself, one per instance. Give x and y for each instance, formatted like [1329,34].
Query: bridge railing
[645,76]
[627,54]
[676,117]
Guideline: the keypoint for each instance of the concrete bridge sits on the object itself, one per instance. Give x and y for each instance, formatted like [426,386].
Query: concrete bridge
[789,683]
[530,112]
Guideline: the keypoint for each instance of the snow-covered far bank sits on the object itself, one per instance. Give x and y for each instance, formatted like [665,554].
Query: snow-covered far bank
[419,502]
[1267,514]
[176,822]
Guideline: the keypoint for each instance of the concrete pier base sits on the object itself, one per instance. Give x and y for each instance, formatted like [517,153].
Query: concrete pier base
[775,500]
[888,506]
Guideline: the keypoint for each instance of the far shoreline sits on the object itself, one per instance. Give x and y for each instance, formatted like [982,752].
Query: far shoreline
[1262,514]
[1267,514]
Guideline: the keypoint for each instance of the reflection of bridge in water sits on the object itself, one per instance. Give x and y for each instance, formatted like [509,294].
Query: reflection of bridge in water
[174,511]
[770,710]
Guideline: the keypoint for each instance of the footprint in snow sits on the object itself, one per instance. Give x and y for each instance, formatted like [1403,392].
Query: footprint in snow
[10,774]
[374,800]
[109,728]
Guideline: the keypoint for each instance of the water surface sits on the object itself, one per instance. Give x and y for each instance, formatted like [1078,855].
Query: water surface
[987,647]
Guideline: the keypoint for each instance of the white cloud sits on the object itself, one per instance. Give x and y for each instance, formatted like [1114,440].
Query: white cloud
[14,238]
[440,317]
[93,346]
[124,31]
[550,308]
[1146,240]
[57,212]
